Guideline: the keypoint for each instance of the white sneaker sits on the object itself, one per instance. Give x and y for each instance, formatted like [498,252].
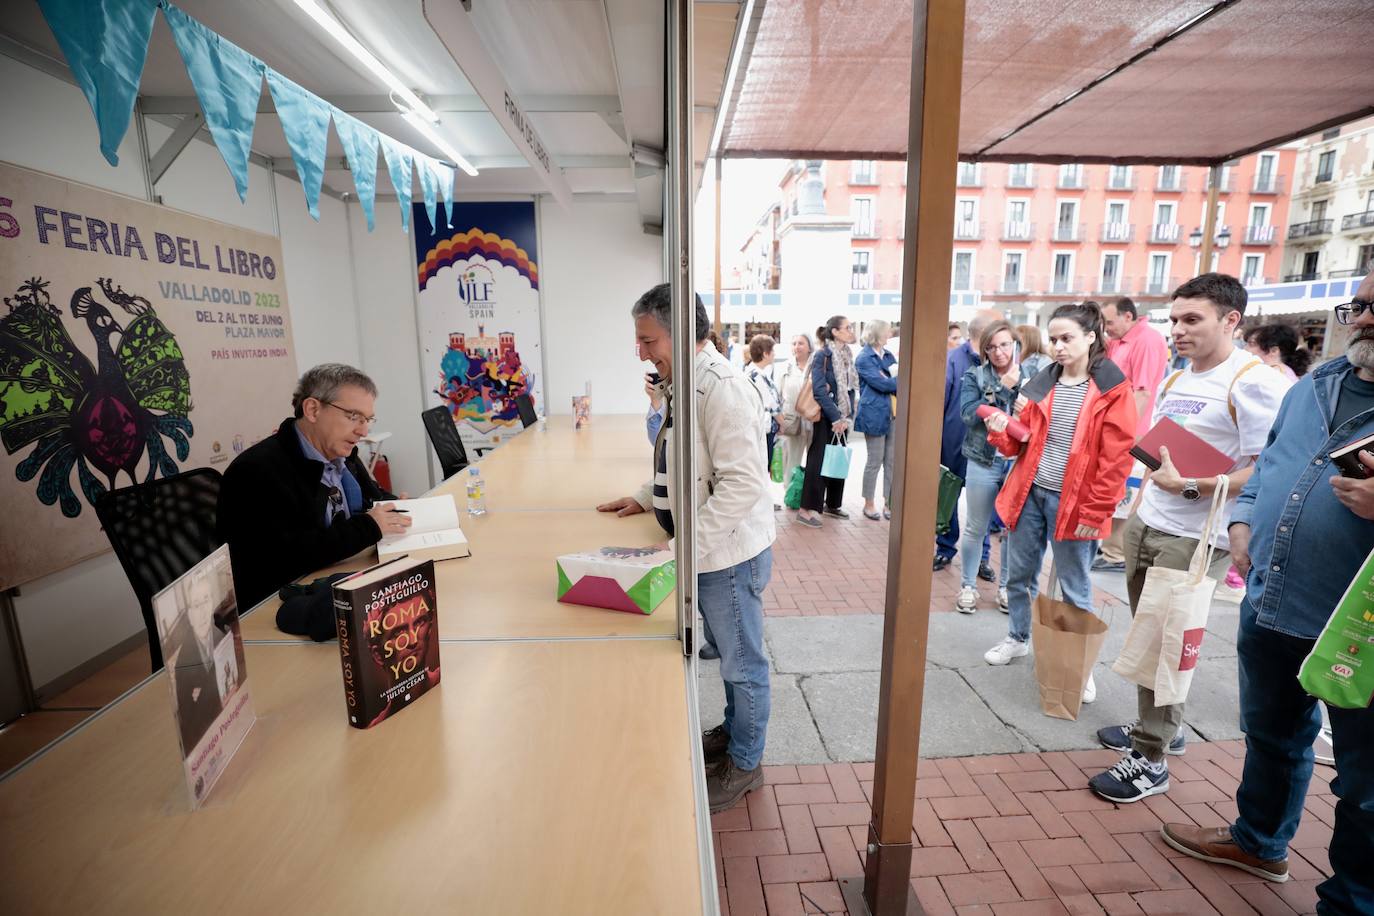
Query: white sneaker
[1090,689]
[967,602]
[1003,602]
[1005,651]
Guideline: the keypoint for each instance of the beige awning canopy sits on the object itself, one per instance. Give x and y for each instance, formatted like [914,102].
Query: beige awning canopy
[1055,80]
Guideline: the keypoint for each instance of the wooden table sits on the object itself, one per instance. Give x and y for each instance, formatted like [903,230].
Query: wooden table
[540,777]
[550,772]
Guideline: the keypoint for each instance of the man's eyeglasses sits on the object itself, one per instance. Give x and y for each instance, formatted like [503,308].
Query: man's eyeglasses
[1347,312]
[354,417]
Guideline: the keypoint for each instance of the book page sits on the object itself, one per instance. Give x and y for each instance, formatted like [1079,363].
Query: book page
[432,513]
[420,540]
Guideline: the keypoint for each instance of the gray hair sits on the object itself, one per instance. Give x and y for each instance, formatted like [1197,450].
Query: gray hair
[875,329]
[324,381]
[657,304]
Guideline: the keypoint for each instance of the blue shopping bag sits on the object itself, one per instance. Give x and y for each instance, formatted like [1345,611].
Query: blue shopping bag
[836,462]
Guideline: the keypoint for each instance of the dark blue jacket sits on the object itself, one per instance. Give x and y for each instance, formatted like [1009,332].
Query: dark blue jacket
[823,384]
[876,387]
[960,359]
[980,385]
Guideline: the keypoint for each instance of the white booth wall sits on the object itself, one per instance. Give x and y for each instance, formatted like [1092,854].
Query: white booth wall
[594,261]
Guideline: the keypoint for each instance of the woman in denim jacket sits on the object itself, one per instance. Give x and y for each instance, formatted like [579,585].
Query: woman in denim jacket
[996,381]
[877,388]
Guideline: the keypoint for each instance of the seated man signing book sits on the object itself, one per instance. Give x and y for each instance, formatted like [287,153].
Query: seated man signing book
[300,499]
[1228,399]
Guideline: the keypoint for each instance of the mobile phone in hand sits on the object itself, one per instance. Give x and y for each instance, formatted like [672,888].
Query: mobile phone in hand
[653,378]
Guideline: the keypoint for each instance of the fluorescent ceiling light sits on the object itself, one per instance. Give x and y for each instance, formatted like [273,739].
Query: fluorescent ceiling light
[416,121]
[365,57]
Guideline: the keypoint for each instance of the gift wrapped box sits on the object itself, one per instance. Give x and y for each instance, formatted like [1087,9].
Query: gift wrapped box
[632,579]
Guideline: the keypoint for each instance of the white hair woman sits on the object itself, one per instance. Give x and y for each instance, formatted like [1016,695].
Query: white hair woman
[793,429]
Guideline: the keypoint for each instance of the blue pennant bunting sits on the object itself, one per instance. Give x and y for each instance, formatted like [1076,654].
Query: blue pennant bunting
[106,45]
[446,175]
[360,147]
[305,121]
[399,163]
[228,83]
[429,186]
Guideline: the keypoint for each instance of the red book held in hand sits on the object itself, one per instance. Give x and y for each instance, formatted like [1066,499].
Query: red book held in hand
[1015,428]
[1191,456]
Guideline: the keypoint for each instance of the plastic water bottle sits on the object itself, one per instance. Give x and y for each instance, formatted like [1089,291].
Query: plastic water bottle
[477,497]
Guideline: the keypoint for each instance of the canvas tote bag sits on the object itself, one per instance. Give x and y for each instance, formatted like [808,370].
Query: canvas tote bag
[1162,647]
[1066,640]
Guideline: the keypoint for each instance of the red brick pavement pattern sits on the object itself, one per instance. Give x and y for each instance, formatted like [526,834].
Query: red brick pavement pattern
[804,582]
[1009,835]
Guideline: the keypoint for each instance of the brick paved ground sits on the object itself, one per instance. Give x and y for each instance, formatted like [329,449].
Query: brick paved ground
[1010,834]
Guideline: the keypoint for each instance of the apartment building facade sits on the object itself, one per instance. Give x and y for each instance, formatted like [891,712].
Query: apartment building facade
[1030,235]
[1330,234]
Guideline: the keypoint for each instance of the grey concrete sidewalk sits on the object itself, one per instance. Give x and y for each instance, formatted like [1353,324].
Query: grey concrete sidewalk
[825,688]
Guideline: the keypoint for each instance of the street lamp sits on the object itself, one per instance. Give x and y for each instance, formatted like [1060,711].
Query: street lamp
[1223,238]
[1195,238]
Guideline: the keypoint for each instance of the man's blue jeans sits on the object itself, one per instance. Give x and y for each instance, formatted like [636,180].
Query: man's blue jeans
[731,602]
[947,544]
[1280,721]
[980,489]
[1073,562]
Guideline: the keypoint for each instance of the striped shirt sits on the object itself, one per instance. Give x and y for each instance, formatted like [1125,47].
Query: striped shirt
[663,507]
[1068,402]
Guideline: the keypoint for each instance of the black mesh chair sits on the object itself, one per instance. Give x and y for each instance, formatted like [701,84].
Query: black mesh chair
[159,530]
[443,435]
[525,404]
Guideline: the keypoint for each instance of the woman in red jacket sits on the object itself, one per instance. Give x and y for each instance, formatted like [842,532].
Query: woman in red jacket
[1070,474]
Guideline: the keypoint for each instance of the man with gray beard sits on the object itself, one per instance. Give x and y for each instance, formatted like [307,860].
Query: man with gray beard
[1300,533]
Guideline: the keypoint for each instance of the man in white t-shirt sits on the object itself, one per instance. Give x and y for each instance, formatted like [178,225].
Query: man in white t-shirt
[1227,399]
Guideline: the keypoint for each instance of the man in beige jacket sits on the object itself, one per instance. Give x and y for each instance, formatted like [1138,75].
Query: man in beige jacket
[734,532]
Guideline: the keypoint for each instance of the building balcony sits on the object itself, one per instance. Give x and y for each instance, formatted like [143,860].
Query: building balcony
[1018,231]
[1358,222]
[1118,232]
[1114,286]
[1166,234]
[1260,235]
[1121,182]
[1021,177]
[1249,280]
[1176,182]
[1324,176]
[1342,274]
[1069,232]
[1068,285]
[1313,229]
[1010,285]
[969,176]
[1072,181]
[968,230]
[1224,186]
[1302,278]
[869,230]
[1268,184]
[1159,286]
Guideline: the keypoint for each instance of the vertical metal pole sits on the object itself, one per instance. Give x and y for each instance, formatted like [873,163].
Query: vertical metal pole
[932,151]
[141,132]
[717,299]
[272,196]
[1209,219]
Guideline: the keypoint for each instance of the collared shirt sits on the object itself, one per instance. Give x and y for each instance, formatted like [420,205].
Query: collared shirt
[1143,356]
[1305,547]
[335,477]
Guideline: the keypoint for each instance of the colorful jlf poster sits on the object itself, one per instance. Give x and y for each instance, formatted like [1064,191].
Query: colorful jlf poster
[136,342]
[479,316]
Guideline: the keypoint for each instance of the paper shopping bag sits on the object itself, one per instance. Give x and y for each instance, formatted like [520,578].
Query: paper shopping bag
[836,462]
[1066,640]
[1165,641]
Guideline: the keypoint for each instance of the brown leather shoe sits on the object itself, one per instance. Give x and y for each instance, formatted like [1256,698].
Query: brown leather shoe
[726,784]
[1214,844]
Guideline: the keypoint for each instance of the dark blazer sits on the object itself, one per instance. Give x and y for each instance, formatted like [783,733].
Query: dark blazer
[824,385]
[272,510]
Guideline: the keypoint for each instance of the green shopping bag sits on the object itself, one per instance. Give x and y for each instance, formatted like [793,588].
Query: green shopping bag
[950,486]
[792,498]
[1337,669]
[775,468]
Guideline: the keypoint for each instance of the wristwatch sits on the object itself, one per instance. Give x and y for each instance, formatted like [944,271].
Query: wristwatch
[1190,490]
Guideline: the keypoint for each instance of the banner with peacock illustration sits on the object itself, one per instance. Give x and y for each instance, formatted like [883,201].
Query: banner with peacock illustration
[478,295]
[136,342]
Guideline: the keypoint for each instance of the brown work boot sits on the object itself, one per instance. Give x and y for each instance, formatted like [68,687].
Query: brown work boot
[1214,844]
[726,784]
[714,742]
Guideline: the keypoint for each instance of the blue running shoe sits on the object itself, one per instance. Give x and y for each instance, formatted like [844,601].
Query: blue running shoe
[1132,779]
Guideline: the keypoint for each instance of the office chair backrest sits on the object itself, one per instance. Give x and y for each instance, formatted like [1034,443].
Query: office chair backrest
[443,435]
[525,404]
[159,530]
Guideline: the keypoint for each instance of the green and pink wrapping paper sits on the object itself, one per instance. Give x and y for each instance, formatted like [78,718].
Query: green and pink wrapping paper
[631,579]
